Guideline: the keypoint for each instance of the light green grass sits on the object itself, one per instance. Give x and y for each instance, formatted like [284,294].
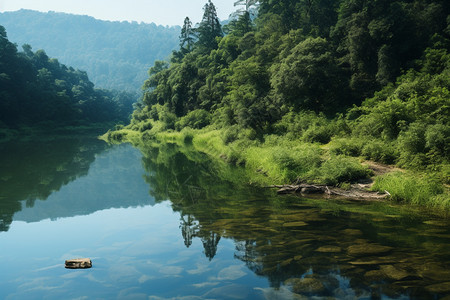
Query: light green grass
[414,189]
[278,160]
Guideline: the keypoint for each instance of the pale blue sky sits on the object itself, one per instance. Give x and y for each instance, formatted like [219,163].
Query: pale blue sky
[163,12]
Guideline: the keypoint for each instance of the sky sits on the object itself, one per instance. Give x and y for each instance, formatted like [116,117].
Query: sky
[161,12]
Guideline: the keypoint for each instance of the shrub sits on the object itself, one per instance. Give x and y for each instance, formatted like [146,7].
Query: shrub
[413,139]
[195,119]
[117,136]
[145,125]
[340,169]
[437,139]
[347,146]
[284,162]
[296,124]
[409,188]
[379,151]
[319,134]
[167,118]
[230,134]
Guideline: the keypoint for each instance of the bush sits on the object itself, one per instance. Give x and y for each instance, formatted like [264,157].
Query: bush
[231,134]
[167,118]
[412,189]
[340,169]
[379,151]
[437,139]
[116,136]
[347,146]
[319,134]
[413,139]
[316,127]
[421,145]
[195,119]
[145,125]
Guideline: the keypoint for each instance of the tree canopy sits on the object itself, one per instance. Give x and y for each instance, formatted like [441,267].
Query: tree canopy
[36,89]
[376,69]
[116,55]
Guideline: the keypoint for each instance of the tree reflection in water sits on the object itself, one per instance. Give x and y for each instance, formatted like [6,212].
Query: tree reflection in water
[33,169]
[189,229]
[312,247]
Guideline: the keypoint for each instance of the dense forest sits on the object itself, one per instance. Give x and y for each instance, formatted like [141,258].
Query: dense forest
[303,90]
[36,90]
[116,55]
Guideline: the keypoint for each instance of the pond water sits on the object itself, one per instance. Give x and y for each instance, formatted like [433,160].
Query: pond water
[165,222]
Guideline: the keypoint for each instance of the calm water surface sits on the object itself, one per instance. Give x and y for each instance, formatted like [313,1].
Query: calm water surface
[164,222]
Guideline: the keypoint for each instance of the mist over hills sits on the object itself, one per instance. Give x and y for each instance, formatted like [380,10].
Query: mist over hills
[115,55]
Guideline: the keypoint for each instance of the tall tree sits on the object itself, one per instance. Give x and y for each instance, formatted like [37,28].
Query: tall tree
[187,36]
[209,28]
[247,3]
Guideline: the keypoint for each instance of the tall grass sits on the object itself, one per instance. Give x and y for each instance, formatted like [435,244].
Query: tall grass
[279,160]
[339,169]
[414,189]
[282,164]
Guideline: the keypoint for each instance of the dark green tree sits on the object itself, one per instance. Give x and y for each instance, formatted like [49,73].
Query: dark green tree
[209,28]
[187,37]
[308,78]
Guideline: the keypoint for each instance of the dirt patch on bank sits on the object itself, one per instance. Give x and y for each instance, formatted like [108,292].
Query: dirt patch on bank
[379,168]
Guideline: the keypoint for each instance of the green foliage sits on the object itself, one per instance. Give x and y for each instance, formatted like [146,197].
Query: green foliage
[413,189]
[283,161]
[167,118]
[379,151]
[195,119]
[308,77]
[146,125]
[347,146]
[312,72]
[209,28]
[36,89]
[340,169]
[187,36]
[116,55]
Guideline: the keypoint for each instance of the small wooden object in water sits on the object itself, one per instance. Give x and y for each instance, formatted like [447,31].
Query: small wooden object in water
[79,263]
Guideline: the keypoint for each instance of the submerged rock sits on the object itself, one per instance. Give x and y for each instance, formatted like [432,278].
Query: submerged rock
[432,271]
[374,275]
[306,285]
[350,231]
[439,288]
[295,224]
[329,249]
[394,272]
[367,249]
[79,263]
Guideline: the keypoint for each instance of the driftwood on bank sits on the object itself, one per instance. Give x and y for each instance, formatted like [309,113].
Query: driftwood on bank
[355,191]
[78,263]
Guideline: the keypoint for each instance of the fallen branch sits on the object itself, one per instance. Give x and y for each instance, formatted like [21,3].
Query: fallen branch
[354,192]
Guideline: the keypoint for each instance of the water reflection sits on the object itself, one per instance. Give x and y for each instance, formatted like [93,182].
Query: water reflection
[57,177]
[34,169]
[211,234]
[325,248]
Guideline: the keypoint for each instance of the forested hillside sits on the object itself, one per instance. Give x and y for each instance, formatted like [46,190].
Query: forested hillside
[366,79]
[37,90]
[116,55]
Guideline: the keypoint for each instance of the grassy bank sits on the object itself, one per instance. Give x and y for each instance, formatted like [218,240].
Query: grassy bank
[279,160]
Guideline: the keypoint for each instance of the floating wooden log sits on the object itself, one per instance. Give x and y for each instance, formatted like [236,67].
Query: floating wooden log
[353,192]
[78,263]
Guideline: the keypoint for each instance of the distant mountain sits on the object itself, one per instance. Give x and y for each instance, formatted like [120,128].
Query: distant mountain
[115,55]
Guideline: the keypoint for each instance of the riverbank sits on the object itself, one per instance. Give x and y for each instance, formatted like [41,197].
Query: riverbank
[52,129]
[277,160]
